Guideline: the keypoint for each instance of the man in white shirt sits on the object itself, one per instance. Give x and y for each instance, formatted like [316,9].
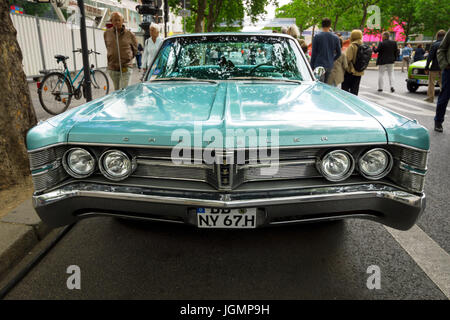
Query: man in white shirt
[152,45]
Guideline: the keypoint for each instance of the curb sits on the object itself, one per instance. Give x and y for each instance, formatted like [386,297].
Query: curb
[20,230]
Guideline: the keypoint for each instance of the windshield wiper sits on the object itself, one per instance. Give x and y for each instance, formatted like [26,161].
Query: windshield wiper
[265,79]
[183,79]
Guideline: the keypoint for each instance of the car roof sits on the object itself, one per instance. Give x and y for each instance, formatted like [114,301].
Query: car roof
[243,34]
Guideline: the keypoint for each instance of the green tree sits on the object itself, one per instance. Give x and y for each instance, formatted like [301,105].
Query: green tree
[433,15]
[211,14]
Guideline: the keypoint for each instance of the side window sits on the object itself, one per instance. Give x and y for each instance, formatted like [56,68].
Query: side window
[164,64]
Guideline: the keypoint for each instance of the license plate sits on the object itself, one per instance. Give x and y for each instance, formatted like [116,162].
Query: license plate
[420,81]
[243,218]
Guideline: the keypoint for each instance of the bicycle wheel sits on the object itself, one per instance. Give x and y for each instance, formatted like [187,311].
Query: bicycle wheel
[55,93]
[99,84]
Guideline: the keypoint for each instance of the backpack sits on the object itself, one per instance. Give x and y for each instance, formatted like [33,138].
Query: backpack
[363,56]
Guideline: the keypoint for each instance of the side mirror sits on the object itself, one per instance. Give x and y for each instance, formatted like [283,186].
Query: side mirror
[319,73]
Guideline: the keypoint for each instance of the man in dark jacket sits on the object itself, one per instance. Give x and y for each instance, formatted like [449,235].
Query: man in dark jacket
[326,48]
[434,72]
[443,57]
[387,54]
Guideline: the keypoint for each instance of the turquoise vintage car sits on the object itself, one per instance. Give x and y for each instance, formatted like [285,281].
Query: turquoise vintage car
[214,143]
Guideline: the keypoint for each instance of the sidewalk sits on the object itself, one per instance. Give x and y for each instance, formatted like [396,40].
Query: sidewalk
[20,230]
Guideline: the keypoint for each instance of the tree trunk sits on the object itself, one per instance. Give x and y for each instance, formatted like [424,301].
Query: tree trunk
[213,13]
[16,112]
[363,20]
[200,15]
[335,22]
[312,33]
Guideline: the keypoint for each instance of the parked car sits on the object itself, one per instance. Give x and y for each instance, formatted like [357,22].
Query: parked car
[417,76]
[228,145]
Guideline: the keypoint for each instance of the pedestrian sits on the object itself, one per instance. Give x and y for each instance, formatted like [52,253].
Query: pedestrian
[352,77]
[387,55]
[121,46]
[432,66]
[339,67]
[304,47]
[139,56]
[419,53]
[406,56]
[284,30]
[326,48]
[443,57]
[152,45]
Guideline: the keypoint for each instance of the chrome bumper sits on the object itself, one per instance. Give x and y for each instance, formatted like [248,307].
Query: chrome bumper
[378,202]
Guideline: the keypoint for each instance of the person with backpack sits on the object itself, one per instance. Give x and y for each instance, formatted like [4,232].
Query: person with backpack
[387,54]
[358,56]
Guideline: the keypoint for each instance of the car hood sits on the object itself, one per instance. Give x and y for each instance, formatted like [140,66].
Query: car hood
[161,113]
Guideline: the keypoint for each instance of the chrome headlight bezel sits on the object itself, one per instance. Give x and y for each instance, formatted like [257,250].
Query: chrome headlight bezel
[386,170]
[72,171]
[345,174]
[105,171]
[415,71]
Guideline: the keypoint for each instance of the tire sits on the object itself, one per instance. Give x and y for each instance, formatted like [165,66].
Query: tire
[99,84]
[412,87]
[55,93]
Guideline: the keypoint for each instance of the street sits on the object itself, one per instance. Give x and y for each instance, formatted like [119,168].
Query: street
[123,260]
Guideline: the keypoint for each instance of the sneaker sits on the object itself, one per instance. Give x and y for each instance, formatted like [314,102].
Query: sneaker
[392,89]
[380,90]
[429,100]
[438,127]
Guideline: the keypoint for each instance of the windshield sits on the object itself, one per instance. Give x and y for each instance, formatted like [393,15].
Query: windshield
[229,57]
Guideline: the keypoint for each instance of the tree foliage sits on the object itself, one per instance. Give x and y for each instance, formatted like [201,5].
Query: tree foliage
[220,15]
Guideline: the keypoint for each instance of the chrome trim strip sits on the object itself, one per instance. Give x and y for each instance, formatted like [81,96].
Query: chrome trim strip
[280,163]
[413,169]
[141,161]
[52,166]
[332,217]
[131,217]
[408,147]
[234,149]
[47,147]
[362,191]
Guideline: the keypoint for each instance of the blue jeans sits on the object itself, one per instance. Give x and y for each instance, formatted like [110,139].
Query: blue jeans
[139,60]
[444,96]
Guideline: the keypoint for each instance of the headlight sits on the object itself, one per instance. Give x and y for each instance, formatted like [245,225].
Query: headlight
[78,162]
[415,71]
[116,165]
[375,164]
[337,165]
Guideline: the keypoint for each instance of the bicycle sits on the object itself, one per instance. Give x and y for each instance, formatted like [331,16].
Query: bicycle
[57,88]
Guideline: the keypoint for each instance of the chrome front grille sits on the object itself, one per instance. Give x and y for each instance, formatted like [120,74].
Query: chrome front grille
[169,170]
[42,157]
[413,157]
[285,170]
[48,179]
[232,168]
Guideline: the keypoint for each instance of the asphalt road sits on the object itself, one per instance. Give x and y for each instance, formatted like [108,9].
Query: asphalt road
[310,261]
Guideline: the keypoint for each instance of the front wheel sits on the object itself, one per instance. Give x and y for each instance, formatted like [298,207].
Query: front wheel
[55,93]
[100,84]
[412,86]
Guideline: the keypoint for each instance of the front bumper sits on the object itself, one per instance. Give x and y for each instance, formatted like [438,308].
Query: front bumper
[378,202]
